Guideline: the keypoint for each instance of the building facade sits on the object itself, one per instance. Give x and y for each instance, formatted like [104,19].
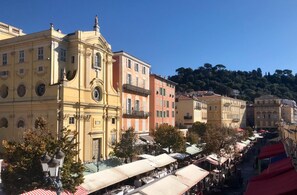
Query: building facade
[65,78]
[8,31]
[189,110]
[131,78]
[267,111]
[162,102]
[224,111]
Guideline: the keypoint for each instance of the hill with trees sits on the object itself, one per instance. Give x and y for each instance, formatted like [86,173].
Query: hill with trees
[246,85]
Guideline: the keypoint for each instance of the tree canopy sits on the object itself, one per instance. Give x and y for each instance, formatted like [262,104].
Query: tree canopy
[218,139]
[24,172]
[126,147]
[249,84]
[170,137]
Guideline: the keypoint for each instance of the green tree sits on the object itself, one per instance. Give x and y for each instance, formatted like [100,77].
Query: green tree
[126,147]
[170,137]
[219,139]
[197,132]
[23,171]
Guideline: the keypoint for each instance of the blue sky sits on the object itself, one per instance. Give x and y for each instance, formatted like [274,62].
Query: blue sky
[168,34]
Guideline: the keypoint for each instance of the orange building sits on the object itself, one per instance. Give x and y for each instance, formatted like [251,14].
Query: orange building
[162,101]
[131,78]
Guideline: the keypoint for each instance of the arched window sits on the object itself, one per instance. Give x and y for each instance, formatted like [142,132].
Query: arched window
[97,63]
[21,124]
[21,90]
[4,91]
[40,89]
[3,123]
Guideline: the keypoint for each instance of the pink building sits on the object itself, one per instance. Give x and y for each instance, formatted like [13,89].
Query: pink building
[131,78]
[162,101]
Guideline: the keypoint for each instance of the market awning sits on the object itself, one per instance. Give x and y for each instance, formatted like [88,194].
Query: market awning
[271,150]
[192,150]
[275,169]
[169,185]
[179,156]
[246,142]
[282,184]
[135,168]
[96,181]
[161,160]
[79,191]
[191,175]
[215,160]
[148,139]
[240,146]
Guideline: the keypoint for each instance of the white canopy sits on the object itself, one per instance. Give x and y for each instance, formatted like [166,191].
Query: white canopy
[240,146]
[135,168]
[102,179]
[161,160]
[213,159]
[191,175]
[169,185]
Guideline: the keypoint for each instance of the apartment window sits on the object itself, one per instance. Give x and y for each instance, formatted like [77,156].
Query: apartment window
[172,104]
[136,105]
[172,113]
[167,113]
[209,107]
[40,53]
[167,104]
[63,55]
[21,56]
[161,91]
[113,121]
[4,59]
[129,79]
[136,67]
[71,120]
[40,69]
[157,125]
[143,70]
[158,113]
[136,81]
[129,106]
[164,92]
[164,113]
[97,63]
[72,59]
[129,63]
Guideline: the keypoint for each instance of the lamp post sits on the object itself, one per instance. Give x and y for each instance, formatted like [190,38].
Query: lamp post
[51,169]
[97,160]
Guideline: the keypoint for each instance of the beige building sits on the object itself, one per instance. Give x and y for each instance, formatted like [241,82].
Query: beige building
[67,79]
[131,78]
[189,110]
[267,109]
[224,111]
[7,31]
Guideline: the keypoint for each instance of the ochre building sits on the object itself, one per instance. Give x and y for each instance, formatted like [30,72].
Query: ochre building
[65,78]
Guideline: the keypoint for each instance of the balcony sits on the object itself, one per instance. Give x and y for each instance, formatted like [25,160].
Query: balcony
[235,120]
[188,117]
[197,107]
[136,114]
[129,88]
[227,104]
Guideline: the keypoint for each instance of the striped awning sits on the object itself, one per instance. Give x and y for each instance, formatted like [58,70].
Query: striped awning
[79,191]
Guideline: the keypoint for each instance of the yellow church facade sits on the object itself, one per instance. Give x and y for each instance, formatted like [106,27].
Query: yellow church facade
[65,78]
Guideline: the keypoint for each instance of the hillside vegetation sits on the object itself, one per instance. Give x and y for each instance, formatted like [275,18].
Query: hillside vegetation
[246,85]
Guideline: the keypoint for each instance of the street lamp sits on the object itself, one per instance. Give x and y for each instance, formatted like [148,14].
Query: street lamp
[51,169]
